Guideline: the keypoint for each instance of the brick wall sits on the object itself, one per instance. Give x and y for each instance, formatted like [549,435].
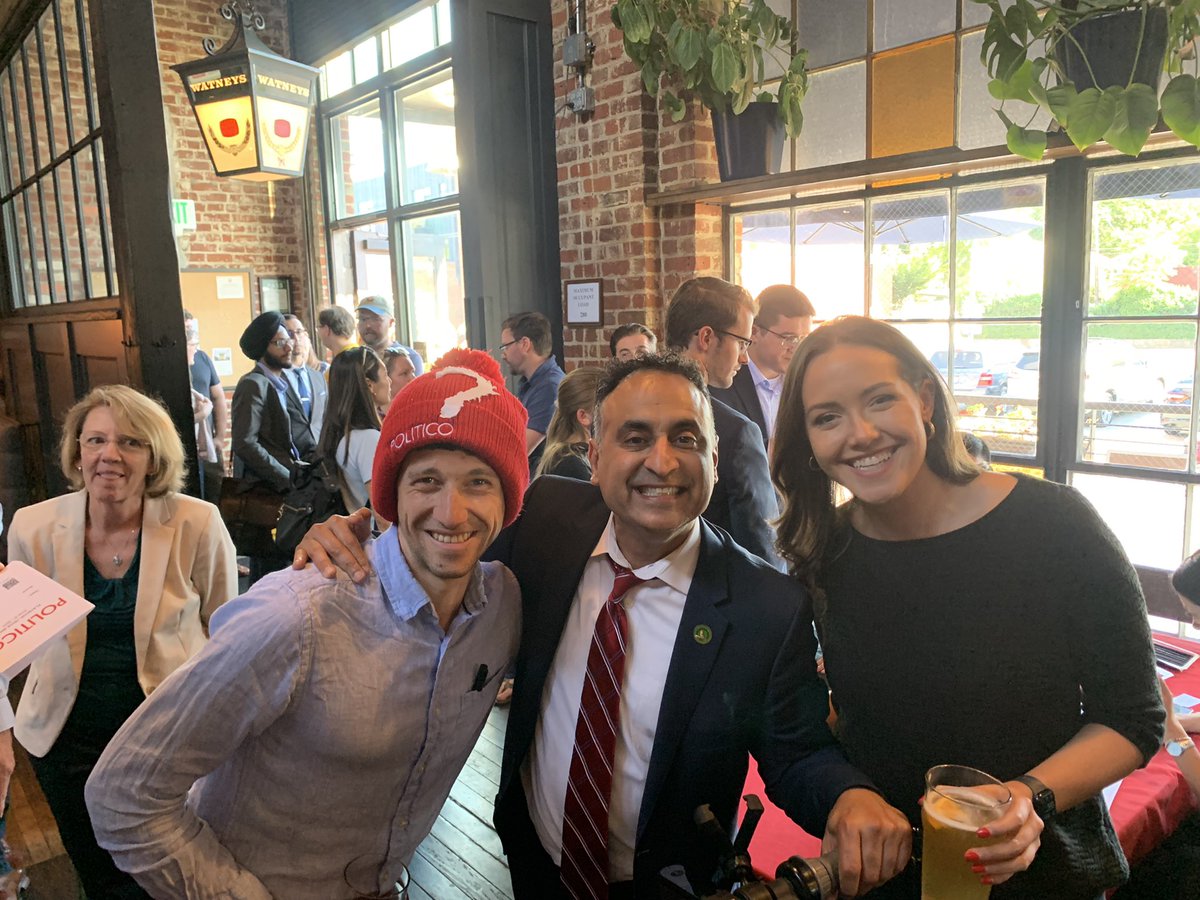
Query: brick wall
[606,166]
[239,224]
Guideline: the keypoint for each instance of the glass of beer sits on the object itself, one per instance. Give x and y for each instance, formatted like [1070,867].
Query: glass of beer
[958,802]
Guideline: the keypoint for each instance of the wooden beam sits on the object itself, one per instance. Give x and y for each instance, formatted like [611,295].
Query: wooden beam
[139,189]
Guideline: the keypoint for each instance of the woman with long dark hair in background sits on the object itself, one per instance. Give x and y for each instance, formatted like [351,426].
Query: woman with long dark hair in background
[358,388]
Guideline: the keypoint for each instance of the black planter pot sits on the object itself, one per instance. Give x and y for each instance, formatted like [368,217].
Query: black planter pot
[1110,42]
[749,144]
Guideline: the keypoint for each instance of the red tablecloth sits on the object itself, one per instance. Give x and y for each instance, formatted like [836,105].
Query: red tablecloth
[1147,809]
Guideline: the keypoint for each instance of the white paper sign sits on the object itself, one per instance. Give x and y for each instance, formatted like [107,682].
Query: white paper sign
[230,287]
[222,359]
[34,610]
[583,302]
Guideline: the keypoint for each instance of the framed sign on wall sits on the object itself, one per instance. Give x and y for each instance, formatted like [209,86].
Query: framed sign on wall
[276,293]
[585,301]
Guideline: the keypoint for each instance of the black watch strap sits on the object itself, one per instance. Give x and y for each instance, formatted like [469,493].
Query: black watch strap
[1043,797]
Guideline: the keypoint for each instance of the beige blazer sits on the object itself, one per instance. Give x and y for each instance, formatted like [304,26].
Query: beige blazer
[188,569]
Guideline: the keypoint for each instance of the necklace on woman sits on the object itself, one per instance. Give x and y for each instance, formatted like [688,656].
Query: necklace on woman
[118,558]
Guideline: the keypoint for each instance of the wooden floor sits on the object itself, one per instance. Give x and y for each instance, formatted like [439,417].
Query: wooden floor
[460,860]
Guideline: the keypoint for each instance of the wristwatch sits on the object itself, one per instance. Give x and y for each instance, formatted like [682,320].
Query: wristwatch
[1176,748]
[1043,797]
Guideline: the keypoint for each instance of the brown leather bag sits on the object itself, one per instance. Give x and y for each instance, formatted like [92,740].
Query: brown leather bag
[251,512]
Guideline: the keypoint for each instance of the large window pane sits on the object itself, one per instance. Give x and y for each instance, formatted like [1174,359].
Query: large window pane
[22,262]
[433,278]
[56,264]
[1128,369]
[356,142]
[900,22]
[337,75]
[60,138]
[762,249]
[1145,241]
[40,127]
[93,226]
[1000,251]
[71,234]
[21,113]
[910,257]
[1154,540]
[366,60]
[427,150]
[90,61]
[835,118]
[110,258]
[77,89]
[994,386]
[912,98]
[12,147]
[830,251]
[410,37]
[362,264]
[833,30]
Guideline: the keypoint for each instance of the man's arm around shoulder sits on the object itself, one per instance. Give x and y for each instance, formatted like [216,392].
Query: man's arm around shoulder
[234,688]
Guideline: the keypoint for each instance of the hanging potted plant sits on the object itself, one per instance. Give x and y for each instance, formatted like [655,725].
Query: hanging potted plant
[717,51]
[1094,66]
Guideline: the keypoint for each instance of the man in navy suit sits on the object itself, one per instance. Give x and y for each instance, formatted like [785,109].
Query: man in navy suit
[717,660]
[784,319]
[710,320]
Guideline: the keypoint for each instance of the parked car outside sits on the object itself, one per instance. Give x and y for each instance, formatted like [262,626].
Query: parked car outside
[1178,422]
[1113,376]
[972,375]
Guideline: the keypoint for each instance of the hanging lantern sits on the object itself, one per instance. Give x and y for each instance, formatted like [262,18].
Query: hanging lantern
[254,107]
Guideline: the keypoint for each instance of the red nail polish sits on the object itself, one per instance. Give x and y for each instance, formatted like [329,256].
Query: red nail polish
[971,856]
[978,870]
[984,833]
[985,880]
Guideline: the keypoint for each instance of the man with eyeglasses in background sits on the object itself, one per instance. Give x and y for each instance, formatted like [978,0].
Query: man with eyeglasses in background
[710,321]
[784,319]
[273,440]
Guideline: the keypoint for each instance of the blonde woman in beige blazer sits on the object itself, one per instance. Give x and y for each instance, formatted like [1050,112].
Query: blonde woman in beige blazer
[156,562]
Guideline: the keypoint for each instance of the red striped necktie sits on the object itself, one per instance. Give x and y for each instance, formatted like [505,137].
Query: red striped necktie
[584,868]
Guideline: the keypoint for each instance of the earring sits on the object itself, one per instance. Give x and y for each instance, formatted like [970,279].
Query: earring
[79,468]
[812,464]
[930,430]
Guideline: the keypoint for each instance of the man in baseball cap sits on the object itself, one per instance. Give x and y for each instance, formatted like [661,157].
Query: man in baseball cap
[374,318]
[307,750]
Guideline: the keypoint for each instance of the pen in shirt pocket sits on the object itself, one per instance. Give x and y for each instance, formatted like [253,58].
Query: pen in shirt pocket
[481,675]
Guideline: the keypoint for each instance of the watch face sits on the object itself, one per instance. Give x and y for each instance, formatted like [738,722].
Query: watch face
[1176,748]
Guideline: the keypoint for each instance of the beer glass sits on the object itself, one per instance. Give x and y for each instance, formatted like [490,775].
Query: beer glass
[958,801]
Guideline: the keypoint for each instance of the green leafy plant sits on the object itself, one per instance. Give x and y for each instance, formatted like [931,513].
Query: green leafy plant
[1022,49]
[715,50]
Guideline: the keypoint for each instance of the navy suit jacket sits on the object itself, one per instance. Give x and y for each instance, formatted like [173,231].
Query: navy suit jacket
[743,500]
[751,689]
[742,397]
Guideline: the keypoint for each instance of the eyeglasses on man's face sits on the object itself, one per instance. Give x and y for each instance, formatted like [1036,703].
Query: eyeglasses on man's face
[280,343]
[95,443]
[744,343]
[507,344]
[786,338]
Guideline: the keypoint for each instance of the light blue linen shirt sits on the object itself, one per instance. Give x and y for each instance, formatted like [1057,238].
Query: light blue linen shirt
[322,728]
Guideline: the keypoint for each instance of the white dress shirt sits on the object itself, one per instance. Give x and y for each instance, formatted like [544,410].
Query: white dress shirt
[653,612]
[768,390]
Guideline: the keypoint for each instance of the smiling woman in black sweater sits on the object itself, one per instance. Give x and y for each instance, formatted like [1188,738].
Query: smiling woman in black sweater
[966,617]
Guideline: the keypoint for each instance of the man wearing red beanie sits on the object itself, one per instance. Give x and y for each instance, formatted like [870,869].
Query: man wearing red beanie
[307,750]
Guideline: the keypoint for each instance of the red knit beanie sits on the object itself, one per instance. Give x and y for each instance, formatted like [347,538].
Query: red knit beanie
[462,402]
